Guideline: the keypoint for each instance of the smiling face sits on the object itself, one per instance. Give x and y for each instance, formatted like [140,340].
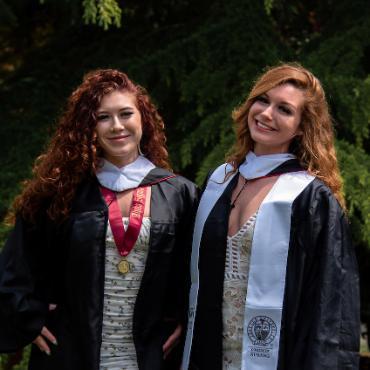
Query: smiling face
[119,127]
[274,119]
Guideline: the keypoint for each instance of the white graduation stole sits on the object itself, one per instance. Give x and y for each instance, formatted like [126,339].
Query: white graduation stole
[267,271]
[266,282]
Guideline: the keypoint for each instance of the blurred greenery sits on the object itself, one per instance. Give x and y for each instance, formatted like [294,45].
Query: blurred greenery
[198,60]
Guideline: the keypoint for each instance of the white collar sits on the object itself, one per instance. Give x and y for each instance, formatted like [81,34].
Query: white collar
[257,166]
[124,178]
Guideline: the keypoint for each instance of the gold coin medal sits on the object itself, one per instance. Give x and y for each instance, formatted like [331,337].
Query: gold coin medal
[125,240]
[124,266]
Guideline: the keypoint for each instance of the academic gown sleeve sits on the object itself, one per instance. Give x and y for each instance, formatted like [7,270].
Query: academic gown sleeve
[323,313]
[180,277]
[22,310]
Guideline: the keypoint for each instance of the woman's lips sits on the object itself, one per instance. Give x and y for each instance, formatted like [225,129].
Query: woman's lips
[116,138]
[264,127]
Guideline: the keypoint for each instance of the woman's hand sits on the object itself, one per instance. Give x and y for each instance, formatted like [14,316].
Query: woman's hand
[172,341]
[41,342]
[46,334]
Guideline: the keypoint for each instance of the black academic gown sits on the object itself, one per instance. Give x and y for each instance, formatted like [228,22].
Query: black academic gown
[64,264]
[320,319]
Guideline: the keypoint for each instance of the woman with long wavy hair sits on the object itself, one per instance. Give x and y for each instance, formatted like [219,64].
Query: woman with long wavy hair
[274,275]
[95,270]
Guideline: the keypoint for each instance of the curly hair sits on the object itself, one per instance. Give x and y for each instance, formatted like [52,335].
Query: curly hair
[73,152]
[315,147]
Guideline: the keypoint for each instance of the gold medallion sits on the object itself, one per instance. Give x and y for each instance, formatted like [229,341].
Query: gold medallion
[124,266]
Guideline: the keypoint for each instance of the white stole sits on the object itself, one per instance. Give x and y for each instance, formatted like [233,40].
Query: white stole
[267,271]
[266,281]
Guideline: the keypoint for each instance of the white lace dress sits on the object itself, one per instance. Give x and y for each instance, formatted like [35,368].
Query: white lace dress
[120,291]
[238,253]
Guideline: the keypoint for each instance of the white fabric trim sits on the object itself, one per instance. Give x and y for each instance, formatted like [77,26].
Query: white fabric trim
[257,166]
[215,187]
[124,178]
[266,283]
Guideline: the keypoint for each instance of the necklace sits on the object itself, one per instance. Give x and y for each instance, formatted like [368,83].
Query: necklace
[232,204]
[125,240]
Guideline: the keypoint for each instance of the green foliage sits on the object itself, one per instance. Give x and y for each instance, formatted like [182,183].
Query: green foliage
[212,77]
[341,61]
[352,107]
[355,169]
[215,157]
[22,365]
[268,6]
[7,16]
[102,12]
[4,232]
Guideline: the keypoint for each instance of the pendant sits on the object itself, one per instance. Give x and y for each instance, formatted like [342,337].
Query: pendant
[124,266]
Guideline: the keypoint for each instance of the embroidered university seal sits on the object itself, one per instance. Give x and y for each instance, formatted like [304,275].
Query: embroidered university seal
[261,330]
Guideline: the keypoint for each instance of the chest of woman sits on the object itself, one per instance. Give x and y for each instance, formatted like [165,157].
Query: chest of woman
[82,248]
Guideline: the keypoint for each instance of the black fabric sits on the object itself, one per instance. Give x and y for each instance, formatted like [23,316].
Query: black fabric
[207,341]
[320,322]
[64,264]
[321,313]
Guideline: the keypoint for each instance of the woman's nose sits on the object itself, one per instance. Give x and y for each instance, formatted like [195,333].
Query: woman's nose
[267,112]
[117,123]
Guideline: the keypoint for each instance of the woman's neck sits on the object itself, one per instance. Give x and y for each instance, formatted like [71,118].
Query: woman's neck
[121,161]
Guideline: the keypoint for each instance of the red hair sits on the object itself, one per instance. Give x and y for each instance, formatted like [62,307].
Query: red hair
[315,147]
[73,152]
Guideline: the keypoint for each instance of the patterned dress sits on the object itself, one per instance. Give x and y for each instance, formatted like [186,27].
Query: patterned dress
[238,252]
[120,291]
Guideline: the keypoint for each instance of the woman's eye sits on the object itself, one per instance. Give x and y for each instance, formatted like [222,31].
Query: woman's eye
[285,110]
[102,117]
[126,114]
[262,99]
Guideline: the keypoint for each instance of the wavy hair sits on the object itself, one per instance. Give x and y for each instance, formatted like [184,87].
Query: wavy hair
[73,152]
[315,147]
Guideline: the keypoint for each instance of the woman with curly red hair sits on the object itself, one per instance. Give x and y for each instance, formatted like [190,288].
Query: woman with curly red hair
[274,275]
[95,270]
